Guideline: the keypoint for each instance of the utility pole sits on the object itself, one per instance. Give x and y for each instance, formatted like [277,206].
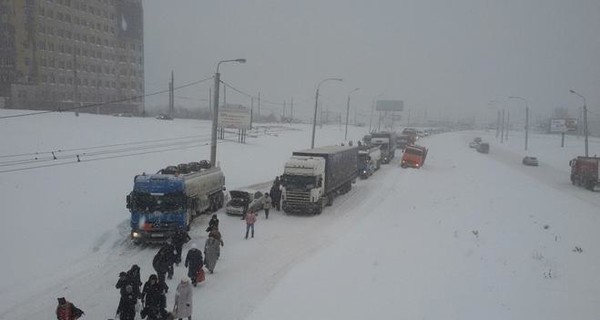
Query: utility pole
[498,125]
[502,133]
[292,110]
[284,108]
[259,103]
[171,95]
[508,125]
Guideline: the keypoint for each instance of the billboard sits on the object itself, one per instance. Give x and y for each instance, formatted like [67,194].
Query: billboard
[234,116]
[389,105]
[563,125]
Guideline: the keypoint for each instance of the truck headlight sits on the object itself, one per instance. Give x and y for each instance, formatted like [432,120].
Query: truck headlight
[135,235]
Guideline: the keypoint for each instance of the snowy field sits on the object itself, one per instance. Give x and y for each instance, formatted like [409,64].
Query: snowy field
[468,236]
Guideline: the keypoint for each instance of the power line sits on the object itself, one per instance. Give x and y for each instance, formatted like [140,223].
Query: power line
[100,104]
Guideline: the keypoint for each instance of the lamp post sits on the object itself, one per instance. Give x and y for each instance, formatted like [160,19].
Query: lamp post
[312,144]
[585,124]
[348,112]
[526,118]
[213,142]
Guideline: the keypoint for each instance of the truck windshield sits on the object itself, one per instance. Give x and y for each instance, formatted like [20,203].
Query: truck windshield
[299,182]
[363,158]
[147,202]
[414,151]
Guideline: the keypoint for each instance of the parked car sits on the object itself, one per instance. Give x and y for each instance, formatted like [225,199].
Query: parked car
[483,147]
[530,161]
[242,200]
[164,117]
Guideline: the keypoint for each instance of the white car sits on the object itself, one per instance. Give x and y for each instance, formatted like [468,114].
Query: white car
[473,144]
[242,200]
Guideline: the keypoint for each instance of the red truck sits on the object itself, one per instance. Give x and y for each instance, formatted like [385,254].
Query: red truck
[413,156]
[584,172]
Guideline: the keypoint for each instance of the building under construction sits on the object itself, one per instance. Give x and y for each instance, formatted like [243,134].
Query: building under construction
[64,54]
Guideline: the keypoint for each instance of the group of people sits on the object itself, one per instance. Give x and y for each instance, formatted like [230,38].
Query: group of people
[150,299]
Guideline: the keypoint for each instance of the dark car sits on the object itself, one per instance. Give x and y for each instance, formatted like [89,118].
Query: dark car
[164,117]
[483,147]
[530,161]
[241,201]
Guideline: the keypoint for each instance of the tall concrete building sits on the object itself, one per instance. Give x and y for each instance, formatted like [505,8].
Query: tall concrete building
[59,54]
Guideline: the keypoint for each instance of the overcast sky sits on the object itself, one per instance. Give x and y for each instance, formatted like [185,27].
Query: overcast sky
[449,58]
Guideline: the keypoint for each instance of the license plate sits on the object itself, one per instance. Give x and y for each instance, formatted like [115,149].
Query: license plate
[157,235]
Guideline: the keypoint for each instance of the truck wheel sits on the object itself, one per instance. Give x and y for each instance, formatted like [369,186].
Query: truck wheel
[329,200]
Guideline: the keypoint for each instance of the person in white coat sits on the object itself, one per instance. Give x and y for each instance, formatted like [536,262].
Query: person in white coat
[183,300]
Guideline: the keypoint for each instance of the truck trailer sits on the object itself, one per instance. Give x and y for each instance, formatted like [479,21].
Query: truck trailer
[163,203]
[386,141]
[312,178]
[585,172]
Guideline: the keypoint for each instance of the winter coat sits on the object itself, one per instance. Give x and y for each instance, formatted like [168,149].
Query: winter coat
[180,237]
[250,217]
[153,295]
[214,222]
[183,300]
[212,251]
[194,261]
[126,308]
[164,258]
[128,280]
[267,202]
[215,233]
[154,313]
[68,311]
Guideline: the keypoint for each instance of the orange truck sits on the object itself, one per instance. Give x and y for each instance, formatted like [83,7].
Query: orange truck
[413,156]
[585,172]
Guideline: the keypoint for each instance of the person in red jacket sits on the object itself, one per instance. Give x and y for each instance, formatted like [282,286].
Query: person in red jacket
[67,311]
[250,220]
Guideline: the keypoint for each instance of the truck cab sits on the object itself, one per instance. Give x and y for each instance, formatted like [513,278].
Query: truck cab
[413,156]
[369,160]
[303,182]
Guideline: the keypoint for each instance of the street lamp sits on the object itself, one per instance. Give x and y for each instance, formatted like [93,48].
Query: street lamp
[526,118]
[585,124]
[348,112]
[213,143]
[312,144]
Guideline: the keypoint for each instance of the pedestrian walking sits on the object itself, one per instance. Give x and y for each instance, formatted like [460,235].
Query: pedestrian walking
[163,261]
[213,223]
[154,295]
[250,220]
[182,308]
[126,308]
[194,262]
[267,203]
[212,251]
[67,311]
[179,239]
[276,193]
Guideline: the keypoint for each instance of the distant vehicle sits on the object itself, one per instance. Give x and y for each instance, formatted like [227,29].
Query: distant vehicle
[473,144]
[126,114]
[413,156]
[313,178]
[386,141]
[585,172]
[530,161]
[369,161]
[483,147]
[404,140]
[242,201]
[163,116]
[477,140]
[163,203]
